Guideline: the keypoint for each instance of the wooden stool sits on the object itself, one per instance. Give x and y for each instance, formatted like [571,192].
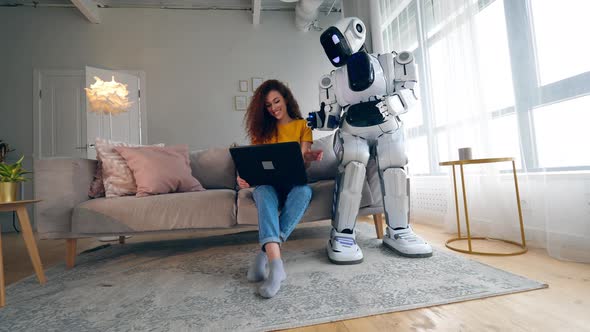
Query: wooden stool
[23,216]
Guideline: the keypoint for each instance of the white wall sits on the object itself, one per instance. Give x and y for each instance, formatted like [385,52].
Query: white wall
[193,60]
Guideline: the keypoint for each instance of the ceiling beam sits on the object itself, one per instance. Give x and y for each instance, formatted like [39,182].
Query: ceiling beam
[89,9]
[256,7]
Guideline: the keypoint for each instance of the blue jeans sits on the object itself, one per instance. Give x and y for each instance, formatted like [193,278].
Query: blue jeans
[273,227]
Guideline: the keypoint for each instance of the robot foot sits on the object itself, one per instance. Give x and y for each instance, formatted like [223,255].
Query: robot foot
[405,242]
[343,250]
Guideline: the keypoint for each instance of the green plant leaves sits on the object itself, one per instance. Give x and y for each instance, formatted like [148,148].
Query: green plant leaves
[13,172]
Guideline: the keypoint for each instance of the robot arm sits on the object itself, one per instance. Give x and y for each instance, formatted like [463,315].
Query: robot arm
[401,78]
[328,117]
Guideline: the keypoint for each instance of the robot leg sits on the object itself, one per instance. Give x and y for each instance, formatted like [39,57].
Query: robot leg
[342,247]
[395,189]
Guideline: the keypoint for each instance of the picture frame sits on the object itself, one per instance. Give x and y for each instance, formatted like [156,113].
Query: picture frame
[240,103]
[256,82]
[243,85]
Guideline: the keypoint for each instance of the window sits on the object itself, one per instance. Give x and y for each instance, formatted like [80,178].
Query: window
[562,133]
[532,81]
[493,58]
[561,38]
[401,34]
[503,130]
[418,155]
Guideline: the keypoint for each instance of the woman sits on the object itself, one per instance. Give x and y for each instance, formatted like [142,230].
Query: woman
[273,116]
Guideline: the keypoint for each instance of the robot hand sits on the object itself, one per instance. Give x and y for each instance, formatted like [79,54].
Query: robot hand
[398,103]
[322,121]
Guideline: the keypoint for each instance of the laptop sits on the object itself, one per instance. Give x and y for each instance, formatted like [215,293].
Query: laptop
[278,164]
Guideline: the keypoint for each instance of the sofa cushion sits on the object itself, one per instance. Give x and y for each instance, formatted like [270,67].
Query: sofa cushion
[214,168]
[160,170]
[319,208]
[204,209]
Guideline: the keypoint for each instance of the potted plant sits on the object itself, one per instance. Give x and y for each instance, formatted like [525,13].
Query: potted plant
[11,175]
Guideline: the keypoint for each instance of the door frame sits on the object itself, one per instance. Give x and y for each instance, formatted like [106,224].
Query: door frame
[37,77]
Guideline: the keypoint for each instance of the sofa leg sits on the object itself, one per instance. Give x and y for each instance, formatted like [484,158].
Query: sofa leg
[378,219]
[71,252]
[121,239]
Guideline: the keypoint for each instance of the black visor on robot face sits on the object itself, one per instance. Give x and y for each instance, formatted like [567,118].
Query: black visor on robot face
[335,46]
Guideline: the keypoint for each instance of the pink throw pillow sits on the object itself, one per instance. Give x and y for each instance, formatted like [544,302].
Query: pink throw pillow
[116,176]
[160,170]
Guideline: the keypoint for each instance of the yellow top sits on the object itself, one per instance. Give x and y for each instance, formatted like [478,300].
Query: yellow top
[294,131]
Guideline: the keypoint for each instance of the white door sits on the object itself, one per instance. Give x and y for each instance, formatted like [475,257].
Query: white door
[60,115]
[62,126]
[123,127]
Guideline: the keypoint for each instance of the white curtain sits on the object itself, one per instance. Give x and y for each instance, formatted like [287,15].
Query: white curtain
[508,79]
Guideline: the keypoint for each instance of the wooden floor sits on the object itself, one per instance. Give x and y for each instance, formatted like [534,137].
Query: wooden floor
[564,306]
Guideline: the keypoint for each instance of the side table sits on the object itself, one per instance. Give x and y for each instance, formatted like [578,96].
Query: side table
[522,246]
[21,210]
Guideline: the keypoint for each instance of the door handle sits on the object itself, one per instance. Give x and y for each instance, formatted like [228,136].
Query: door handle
[85,147]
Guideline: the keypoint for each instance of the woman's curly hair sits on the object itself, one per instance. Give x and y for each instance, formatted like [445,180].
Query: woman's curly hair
[261,126]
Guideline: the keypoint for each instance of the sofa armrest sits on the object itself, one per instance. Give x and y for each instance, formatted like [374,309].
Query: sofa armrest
[61,184]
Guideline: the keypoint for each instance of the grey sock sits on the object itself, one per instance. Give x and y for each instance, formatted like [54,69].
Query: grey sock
[257,271]
[271,286]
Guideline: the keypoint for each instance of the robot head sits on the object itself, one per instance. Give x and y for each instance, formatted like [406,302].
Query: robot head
[343,39]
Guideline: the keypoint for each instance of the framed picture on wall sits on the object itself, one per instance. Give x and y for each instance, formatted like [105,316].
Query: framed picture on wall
[243,86]
[256,82]
[241,103]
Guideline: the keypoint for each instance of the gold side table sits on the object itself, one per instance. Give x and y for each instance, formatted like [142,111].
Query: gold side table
[21,210]
[522,246]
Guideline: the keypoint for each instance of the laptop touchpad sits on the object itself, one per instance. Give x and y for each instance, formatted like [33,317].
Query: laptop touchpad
[268,165]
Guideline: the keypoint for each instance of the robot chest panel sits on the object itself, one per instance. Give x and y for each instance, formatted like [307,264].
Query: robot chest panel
[346,96]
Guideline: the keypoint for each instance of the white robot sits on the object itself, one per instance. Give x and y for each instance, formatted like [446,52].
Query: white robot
[363,98]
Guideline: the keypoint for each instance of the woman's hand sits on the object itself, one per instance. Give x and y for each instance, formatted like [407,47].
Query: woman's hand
[242,183]
[313,155]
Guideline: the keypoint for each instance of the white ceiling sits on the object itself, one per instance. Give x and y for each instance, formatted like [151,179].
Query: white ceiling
[181,4]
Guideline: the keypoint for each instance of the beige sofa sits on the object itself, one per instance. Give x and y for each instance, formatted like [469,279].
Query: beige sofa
[66,212]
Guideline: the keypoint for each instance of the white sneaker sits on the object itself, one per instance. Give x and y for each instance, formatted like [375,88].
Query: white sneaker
[343,250]
[406,243]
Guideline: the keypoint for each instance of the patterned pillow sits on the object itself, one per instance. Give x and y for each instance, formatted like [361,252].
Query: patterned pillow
[97,187]
[118,179]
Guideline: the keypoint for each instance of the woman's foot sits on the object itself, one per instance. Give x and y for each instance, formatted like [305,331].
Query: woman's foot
[257,271]
[270,287]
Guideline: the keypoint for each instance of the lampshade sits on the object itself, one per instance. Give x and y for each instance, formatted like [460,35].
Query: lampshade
[108,97]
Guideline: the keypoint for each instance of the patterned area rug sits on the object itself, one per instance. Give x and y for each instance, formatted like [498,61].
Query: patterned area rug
[200,284]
